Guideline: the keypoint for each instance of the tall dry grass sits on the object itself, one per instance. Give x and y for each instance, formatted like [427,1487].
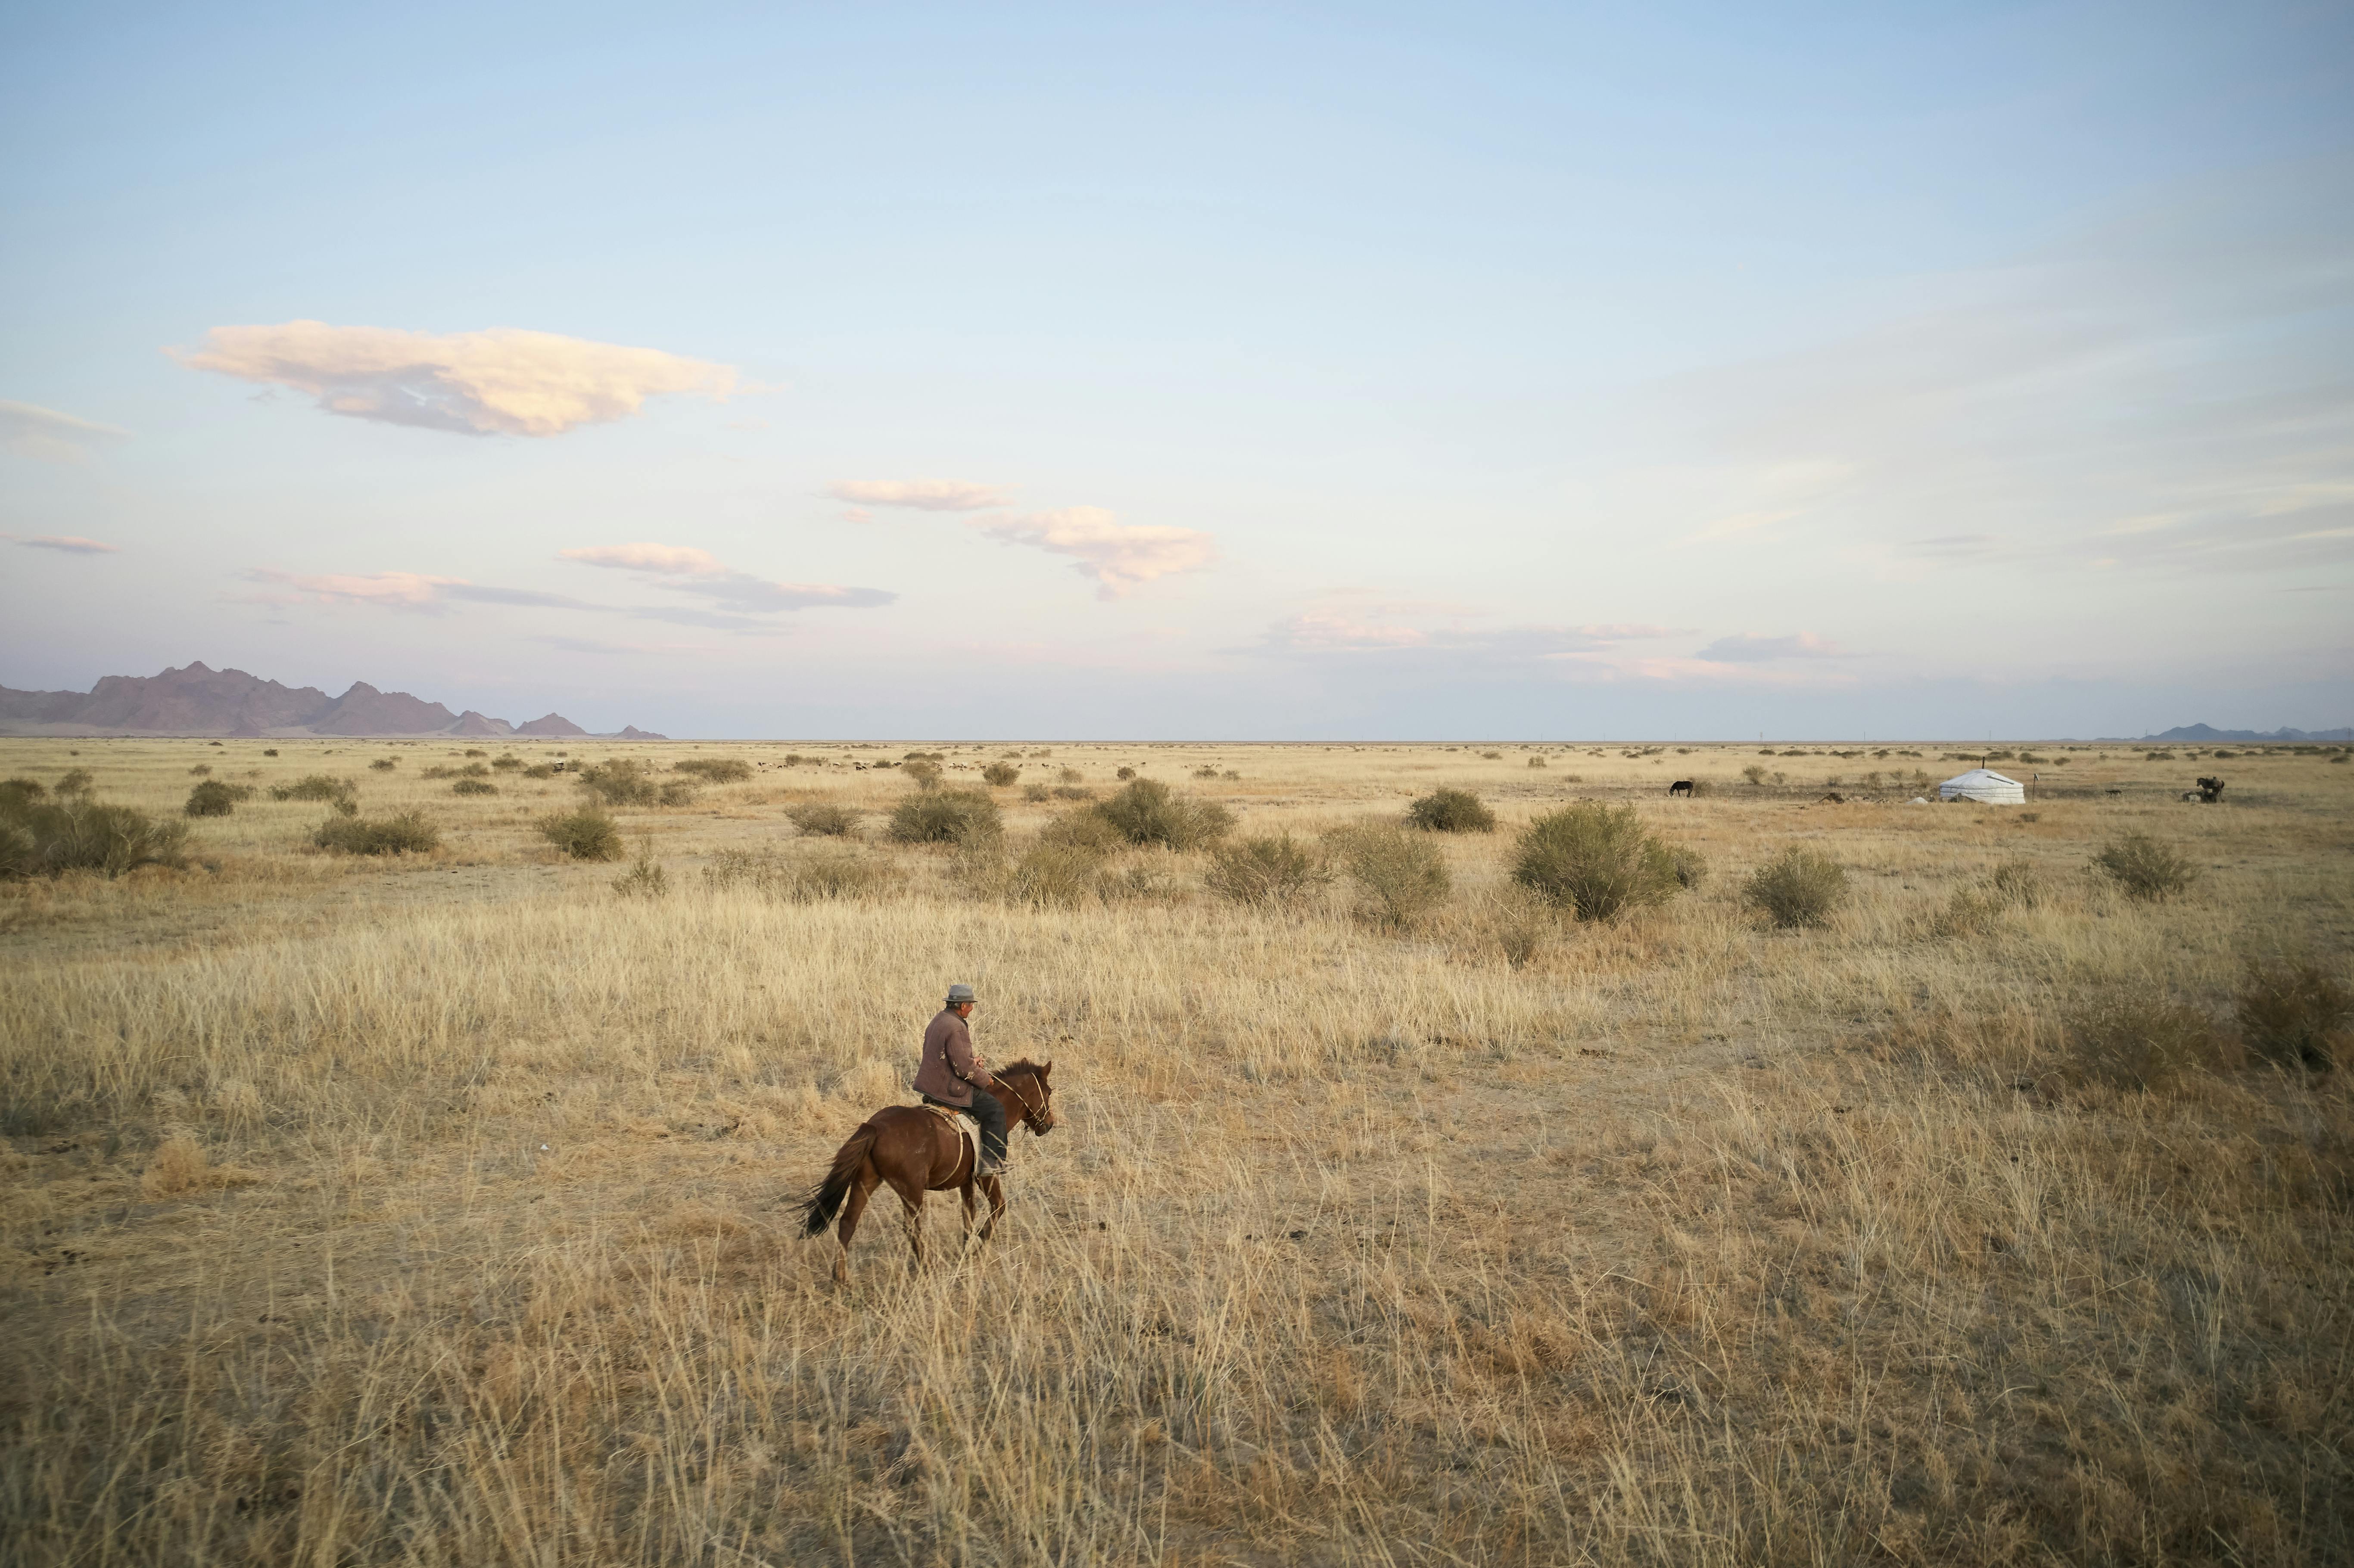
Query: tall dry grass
[452,1234]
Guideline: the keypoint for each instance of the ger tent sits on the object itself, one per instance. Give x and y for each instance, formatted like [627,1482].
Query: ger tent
[1984,786]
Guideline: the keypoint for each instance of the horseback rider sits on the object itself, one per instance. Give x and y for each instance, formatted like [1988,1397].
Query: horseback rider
[952,1075]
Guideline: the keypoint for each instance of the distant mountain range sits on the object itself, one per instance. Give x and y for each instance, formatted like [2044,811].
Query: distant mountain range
[2188,733]
[197,700]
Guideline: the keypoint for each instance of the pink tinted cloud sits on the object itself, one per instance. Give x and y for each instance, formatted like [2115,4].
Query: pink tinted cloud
[922,494]
[72,543]
[1118,556]
[668,560]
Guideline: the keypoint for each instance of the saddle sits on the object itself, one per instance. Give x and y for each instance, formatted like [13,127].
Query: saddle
[962,1124]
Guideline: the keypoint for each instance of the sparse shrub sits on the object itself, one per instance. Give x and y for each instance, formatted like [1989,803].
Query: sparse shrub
[620,781]
[677,793]
[1205,772]
[313,786]
[76,781]
[408,833]
[74,833]
[1799,888]
[645,878]
[18,793]
[582,835]
[944,816]
[1052,875]
[507,762]
[1451,811]
[384,765]
[2341,756]
[214,798]
[1034,793]
[924,771]
[1690,866]
[1001,774]
[200,770]
[1233,777]
[1594,861]
[2143,867]
[1278,869]
[2293,1012]
[1069,775]
[270,751]
[1124,773]
[1147,811]
[473,787]
[1403,873]
[1071,792]
[1536,762]
[474,751]
[540,770]
[1087,829]
[822,819]
[716,769]
[2143,1042]
[2021,882]
[803,879]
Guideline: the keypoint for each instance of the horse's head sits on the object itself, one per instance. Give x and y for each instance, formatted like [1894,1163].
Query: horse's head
[1033,1089]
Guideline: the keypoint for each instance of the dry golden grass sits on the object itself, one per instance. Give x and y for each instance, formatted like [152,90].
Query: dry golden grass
[427,1209]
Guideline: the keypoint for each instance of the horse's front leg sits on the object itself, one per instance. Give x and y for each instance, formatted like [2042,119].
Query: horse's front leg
[971,1207]
[912,1199]
[996,1190]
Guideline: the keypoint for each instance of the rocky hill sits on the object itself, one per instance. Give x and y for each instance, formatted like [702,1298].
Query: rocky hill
[198,700]
[2192,733]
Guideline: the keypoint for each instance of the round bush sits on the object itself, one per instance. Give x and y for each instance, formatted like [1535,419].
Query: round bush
[2145,868]
[1275,870]
[822,819]
[1594,861]
[713,769]
[1451,811]
[1147,811]
[408,833]
[473,787]
[944,816]
[1001,774]
[1798,887]
[583,835]
[215,798]
[1403,873]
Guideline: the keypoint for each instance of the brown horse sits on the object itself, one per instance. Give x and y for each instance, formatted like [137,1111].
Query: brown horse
[918,1150]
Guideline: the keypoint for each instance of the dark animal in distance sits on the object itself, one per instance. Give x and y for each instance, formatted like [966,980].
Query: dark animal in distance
[2210,791]
[915,1151]
[1680,787]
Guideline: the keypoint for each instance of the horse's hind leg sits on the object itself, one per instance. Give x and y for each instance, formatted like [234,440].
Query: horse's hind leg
[913,1197]
[862,1187]
[996,1191]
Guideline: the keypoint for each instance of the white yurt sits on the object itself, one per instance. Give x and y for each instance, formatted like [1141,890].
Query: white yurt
[1984,786]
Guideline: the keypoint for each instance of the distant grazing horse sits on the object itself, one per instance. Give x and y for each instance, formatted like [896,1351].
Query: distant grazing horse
[918,1150]
[1680,787]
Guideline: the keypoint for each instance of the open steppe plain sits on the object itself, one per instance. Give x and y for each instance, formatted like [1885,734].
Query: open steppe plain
[427,1209]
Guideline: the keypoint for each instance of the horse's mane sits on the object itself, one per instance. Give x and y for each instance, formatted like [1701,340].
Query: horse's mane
[1023,1065]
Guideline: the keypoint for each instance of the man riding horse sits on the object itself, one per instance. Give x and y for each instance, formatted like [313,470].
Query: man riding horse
[951,1072]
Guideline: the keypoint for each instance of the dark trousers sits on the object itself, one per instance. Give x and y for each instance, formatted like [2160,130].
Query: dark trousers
[985,1110]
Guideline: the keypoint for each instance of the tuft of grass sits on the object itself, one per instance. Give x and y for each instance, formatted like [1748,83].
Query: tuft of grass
[944,816]
[473,787]
[1147,811]
[2020,883]
[822,819]
[582,835]
[2293,1011]
[214,798]
[384,765]
[1690,866]
[800,879]
[2145,868]
[716,769]
[2143,1042]
[406,833]
[1276,869]
[1000,773]
[1797,888]
[1594,861]
[1402,873]
[1451,811]
[645,878]
[314,786]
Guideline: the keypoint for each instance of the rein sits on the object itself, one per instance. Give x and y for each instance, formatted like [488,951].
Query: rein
[1030,1114]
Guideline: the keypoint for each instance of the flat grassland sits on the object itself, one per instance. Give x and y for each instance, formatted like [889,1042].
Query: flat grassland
[428,1209]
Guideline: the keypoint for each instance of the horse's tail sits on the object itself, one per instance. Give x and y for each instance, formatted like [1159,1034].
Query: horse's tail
[817,1210]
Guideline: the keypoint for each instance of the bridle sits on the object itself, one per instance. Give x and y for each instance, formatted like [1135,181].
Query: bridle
[1030,1114]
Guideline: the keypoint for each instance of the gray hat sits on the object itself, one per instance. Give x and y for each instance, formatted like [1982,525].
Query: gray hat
[957,993]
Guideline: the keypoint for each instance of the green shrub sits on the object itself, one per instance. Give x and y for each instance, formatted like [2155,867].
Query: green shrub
[1147,811]
[2293,1012]
[582,835]
[1124,773]
[621,782]
[794,760]
[314,786]
[1261,871]
[74,833]
[716,769]
[1403,873]
[2143,1042]
[822,819]
[76,781]
[540,770]
[1001,774]
[944,816]
[215,798]
[16,794]
[1799,888]
[1594,861]
[476,751]
[408,833]
[272,751]
[1451,811]
[924,771]
[384,765]
[2143,867]
[473,787]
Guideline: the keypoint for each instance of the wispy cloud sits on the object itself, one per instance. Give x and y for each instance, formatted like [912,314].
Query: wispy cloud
[1117,556]
[503,381]
[1326,632]
[1742,648]
[385,591]
[43,433]
[1949,547]
[922,494]
[71,544]
[684,569]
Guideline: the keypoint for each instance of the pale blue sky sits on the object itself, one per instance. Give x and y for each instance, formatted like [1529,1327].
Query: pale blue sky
[1380,371]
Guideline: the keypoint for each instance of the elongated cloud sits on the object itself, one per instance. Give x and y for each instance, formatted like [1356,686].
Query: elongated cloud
[43,433]
[1118,556]
[72,543]
[1743,648]
[923,494]
[385,590]
[503,381]
[684,569]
